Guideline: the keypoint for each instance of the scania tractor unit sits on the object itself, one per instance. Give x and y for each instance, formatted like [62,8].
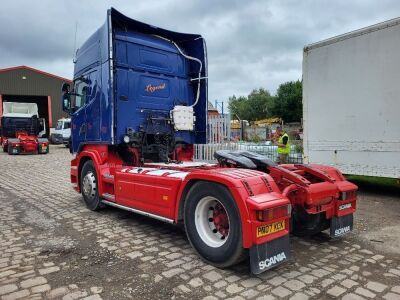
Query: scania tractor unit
[138,105]
[21,130]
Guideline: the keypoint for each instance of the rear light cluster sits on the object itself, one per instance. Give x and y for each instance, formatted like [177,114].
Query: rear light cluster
[274,213]
[348,195]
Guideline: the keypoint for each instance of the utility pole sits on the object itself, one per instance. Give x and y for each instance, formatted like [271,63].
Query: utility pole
[219,104]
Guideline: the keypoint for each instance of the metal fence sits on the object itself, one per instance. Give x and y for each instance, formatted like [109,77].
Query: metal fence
[219,138]
[218,129]
[206,152]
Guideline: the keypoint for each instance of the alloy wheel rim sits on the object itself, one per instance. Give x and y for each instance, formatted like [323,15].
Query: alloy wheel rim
[212,222]
[89,185]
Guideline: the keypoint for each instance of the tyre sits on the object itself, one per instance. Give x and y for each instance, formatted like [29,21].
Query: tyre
[212,224]
[10,151]
[40,149]
[89,186]
[68,144]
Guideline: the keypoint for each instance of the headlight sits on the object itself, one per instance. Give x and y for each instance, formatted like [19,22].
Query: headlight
[126,139]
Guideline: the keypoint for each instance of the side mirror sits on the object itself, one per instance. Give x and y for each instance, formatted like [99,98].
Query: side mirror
[41,124]
[66,102]
[65,88]
[41,127]
[66,98]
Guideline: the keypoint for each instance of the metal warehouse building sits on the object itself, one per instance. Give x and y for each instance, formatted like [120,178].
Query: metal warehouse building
[26,84]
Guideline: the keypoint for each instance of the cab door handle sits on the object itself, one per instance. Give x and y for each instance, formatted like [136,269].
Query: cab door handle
[82,129]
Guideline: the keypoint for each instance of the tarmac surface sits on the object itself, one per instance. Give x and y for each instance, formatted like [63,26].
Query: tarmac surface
[52,247]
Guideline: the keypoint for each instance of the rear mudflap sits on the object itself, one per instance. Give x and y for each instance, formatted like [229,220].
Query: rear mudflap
[341,225]
[269,255]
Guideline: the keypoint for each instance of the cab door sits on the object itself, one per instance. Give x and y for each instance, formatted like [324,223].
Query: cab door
[79,127]
[92,107]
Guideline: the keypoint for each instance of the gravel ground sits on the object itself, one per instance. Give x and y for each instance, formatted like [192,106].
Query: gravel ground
[52,247]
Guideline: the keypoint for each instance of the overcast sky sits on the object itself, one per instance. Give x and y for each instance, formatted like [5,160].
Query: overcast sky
[251,44]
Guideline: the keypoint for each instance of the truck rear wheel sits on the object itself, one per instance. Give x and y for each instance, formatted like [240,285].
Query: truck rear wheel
[212,223]
[89,186]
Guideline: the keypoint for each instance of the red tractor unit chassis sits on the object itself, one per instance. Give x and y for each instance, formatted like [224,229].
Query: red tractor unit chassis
[22,130]
[24,143]
[225,210]
[138,105]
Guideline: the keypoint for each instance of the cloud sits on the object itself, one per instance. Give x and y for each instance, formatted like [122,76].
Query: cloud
[251,44]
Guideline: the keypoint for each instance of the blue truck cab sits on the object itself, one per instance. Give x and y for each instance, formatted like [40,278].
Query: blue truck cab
[140,85]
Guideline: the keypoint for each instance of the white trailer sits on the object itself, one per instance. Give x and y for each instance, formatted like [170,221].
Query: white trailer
[351,101]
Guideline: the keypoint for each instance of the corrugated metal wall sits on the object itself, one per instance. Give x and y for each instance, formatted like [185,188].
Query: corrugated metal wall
[34,84]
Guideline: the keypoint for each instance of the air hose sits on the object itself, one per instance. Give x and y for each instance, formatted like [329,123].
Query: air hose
[190,58]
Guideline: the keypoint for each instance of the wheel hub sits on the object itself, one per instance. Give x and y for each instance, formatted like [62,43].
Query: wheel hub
[220,220]
[212,221]
[89,185]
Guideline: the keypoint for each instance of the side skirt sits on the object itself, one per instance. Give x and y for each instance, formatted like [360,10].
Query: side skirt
[140,212]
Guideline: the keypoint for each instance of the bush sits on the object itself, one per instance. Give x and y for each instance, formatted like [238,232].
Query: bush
[255,139]
[299,148]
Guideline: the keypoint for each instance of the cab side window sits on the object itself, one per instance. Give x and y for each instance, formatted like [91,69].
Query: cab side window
[81,92]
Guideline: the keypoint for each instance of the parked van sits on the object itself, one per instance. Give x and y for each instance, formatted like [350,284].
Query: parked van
[62,132]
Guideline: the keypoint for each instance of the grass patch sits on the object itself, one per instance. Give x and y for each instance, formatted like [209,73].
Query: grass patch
[373,180]
[376,184]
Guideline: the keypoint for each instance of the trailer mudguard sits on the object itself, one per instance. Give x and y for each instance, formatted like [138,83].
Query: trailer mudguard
[97,153]
[251,190]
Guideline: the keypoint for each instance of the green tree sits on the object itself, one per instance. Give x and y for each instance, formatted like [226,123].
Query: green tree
[238,106]
[260,102]
[288,102]
[255,106]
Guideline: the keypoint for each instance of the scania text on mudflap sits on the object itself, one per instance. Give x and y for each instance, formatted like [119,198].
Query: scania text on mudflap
[138,105]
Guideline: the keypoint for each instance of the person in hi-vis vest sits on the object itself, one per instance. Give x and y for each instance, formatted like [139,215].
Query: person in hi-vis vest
[282,141]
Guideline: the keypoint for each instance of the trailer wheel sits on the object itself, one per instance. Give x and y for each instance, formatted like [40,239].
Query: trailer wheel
[212,223]
[89,186]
